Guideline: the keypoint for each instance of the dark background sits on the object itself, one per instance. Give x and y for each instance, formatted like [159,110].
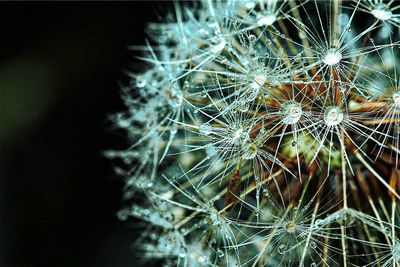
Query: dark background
[59,68]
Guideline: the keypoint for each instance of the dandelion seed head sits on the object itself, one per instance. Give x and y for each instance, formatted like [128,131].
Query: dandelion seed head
[333,116]
[290,112]
[332,57]
[382,12]
[237,117]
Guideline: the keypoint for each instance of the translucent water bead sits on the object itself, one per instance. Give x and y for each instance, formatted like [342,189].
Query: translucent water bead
[381,12]
[290,112]
[333,116]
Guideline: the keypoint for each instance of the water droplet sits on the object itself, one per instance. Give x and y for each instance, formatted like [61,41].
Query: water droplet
[243,106]
[252,38]
[290,112]
[313,244]
[182,252]
[267,19]
[396,98]
[218,47]
[250,4]
[382,12]
[186,85]
[202,259]
[266,192]
[333,116]
[205,129]
[282,249]
[387,230]
[211,150]
[220,253]
[174,130]
[122,215]
[140,81]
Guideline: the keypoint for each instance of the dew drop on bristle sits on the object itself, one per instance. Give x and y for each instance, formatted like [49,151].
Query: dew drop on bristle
[333,116]
[267,19]
[205,129]
[282,249]
[381,12]
[290,112]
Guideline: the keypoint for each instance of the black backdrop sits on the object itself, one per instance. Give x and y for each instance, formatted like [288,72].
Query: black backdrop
[59,67]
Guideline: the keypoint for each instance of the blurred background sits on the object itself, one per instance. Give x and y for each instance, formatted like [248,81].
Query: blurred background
[60,64]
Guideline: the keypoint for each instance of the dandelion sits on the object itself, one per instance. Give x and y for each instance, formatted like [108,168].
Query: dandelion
[265,133]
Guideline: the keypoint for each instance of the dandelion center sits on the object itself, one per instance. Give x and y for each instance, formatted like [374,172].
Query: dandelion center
[332,57]
[291,227]
[382,12]
[250,151]
[290,112]
[267,19]
[333,116]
